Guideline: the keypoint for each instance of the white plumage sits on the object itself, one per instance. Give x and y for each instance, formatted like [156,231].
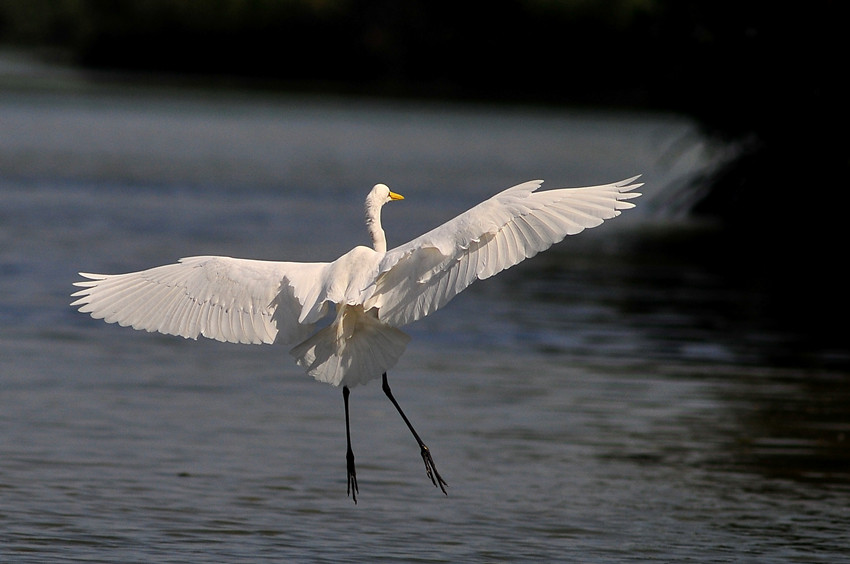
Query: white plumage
[373,291]
[254,301]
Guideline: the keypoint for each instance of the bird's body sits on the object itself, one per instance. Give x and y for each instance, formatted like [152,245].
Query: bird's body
[370,292]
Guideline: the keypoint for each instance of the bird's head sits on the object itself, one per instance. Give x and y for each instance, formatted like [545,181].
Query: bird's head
[381,194]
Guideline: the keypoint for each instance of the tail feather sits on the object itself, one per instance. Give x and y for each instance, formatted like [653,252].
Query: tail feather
[351,357]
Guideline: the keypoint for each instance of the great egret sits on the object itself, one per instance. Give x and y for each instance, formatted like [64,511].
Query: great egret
[374,291]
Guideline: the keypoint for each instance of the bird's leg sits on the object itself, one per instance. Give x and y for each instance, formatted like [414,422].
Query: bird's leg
[430,467]
[351,489]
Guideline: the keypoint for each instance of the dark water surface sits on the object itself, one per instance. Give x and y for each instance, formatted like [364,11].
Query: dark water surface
[642,391]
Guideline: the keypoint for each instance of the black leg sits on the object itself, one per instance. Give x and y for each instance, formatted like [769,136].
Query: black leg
[351,489]
[430,467]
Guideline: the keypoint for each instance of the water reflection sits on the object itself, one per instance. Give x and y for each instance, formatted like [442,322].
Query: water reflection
[685,303]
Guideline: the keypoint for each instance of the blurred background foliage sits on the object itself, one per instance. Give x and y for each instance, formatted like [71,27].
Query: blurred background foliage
[762,75]
[503,50]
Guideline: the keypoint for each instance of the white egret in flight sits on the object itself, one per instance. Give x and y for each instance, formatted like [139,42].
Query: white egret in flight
[373,291]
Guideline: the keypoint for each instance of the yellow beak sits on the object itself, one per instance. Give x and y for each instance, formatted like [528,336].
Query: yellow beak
[394,196]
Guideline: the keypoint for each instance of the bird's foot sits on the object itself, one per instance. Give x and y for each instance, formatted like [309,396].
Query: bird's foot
[351,489]
[431,470]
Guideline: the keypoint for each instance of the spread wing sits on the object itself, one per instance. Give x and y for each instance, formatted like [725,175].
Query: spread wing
[222,298]
[425,274]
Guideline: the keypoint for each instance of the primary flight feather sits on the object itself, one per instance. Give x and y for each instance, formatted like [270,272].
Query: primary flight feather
[373,291]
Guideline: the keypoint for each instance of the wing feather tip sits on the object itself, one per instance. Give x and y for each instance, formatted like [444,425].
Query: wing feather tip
[79,301]
[93,276]
[627,181]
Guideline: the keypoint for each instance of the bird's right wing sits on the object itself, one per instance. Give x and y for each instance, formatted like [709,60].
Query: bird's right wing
[222,298]
[423,275]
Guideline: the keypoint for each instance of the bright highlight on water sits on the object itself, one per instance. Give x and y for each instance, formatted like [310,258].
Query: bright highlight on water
[373,291]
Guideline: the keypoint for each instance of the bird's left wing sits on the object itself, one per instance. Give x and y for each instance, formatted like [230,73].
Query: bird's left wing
[222,298]
[423,275]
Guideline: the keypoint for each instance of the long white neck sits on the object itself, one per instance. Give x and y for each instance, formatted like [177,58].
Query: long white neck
[373,224]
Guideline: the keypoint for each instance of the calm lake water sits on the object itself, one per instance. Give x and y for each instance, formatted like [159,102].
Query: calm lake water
[648,390]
